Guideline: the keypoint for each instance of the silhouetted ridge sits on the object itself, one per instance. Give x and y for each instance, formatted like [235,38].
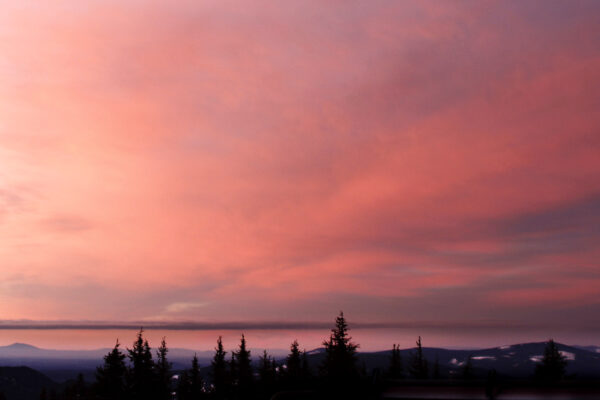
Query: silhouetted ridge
[336,370]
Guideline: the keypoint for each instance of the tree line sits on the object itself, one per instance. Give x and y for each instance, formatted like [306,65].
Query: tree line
[139,374]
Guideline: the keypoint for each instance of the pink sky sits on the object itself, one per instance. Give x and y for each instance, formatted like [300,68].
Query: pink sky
[212,161]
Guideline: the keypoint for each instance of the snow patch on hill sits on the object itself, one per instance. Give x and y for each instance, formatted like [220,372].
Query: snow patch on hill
[484,358]
[567,355]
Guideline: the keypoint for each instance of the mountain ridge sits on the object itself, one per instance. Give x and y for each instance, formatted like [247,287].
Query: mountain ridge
[512,360]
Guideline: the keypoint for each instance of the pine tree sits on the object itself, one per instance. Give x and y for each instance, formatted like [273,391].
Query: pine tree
[305,368]
[293,364]
[244,368]
[418,367]
[266,373]
[553,365]
[140,377]
[163,372]
[191,384]
[196,383]
[340,354]
[219,370]
[110,378]
[183,386]
[395,370]
[233,370]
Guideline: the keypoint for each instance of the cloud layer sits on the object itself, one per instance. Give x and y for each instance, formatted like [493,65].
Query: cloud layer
[217,162]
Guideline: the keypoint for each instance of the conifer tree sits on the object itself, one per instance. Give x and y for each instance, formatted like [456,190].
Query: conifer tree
[191,385]
[293,364]
[418,367]
[266,373]
[244,367]
[140,375]
[110,378]
[219,370]
[163,372]
[395,370]
[196,382]
[233,370]
[183,386]
[305,368]
[553,365]
[340,354]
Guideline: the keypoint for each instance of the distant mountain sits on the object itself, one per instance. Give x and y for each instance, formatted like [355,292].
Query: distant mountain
[593,349]
[517,360]
[26,351]
[23,383]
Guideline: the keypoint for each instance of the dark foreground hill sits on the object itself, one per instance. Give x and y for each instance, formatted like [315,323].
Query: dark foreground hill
[23,383]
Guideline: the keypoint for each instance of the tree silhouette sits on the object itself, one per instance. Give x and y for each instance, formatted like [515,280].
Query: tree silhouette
[110,378]
[140,375]
[266,374]
[553,365]
[196,383]
[243,372]
[163,372]
[219,370]
[233,370]
[339,365]
[191,385]
[418,367]
[395,369]
[305,368]
[293,364]
[183,386]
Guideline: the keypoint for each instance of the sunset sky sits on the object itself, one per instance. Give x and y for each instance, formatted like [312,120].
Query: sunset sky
[217,161]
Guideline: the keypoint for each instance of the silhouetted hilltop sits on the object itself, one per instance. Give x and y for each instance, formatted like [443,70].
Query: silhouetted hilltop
[24,383]
[518,360]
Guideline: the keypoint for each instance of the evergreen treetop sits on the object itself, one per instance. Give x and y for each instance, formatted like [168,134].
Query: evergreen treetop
[553,365]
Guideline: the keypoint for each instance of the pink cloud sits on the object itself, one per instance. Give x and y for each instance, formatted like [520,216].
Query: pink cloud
[219,154]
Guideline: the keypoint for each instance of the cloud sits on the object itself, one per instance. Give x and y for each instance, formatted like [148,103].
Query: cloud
[394,160]
[183,307]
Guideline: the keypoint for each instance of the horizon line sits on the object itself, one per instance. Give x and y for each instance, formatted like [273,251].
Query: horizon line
[271,325]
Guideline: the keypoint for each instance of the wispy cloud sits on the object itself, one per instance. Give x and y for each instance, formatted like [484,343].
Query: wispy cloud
[218,162]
